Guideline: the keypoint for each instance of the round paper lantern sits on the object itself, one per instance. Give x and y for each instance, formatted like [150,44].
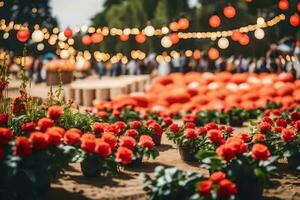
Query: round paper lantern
[259,34]
[37,36]
[183,23]
[40,47]
[197,54]
[62,37]
[298,6]
[223,43]
[97,38]
[68,33]
[295,20]
[23,35]
[64,54]
[86,40]
[283,4]
[174,38]
[149,31]
[140,38]
[166,42]
[213,53]
[214,21]
[244,39]
[236,35]
[124,37]
[229,12]
[174,26]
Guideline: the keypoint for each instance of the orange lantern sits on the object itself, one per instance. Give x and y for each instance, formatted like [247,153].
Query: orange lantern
[213,53]
[197,54]
[97,38]
[174,26]
[140,38]
[23,35]
[174,38]
[295,20]
[229,12]
[214,21]
[183,23]
[244,39]
[236,35]
[124,37]
[86,40]
[283,4]
[68,32]
[298,6]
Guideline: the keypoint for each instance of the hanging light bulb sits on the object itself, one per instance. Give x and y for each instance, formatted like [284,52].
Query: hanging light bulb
[149,30]
[259,34]
[64,54]
[40,47]
[37,36]
[260,21]
[62,37]
[223,43]
[166,42]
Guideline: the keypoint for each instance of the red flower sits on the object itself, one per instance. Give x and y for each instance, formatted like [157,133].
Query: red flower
[54,137]
[297,125]
[102,149]
[174,128]
[116,113]
[18,106]
[3,118]
[121,125]
[135,125]
[99,127]
[264,127]
[22,147]
[211,126]
[190,133]
[260,152]
[237,144]
[189,118]
[189,125]
[287,135]
[259,138]
[102,114]
[131,132]
[56,129]
[205,187]
[281,122]
[227,152]
[45,123]
[109,138]
[226,188]
[295,116]
[216,177]
[202,131]
[229,129]
[268,120]
[55,112]
[278,129]
[39,140]
[127,141]
[124,155]
[88,144]
[156,128]
[168,121]
[215,136]
[244,136]
[28,127]
[114,128]
[6,135]
[71,137]
[146,141]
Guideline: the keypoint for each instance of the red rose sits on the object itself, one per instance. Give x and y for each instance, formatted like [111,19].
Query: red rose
[45,123]
[127,141]
[229,129]
[22,147]
[88,143]
[216,177]
[168,121]
[205,187]
[56,129]
[174,128]
[226,188]
[267,120]
[109,138]
[102,149]
[211,126]
[146,141]
[102,114]
[189,118]
[39,140]
[281,122]
[237,144]
[3,118]
[260,152]
[244,136]
[55,112]
[18,106]
[99,127]
[114,128]
[72,137]
[259,138]
[295,116]
[54,137]
[264,127]
[156,128]
[278,129]
[227,152]
[116,113]
[215,136]
[28,127]
[190,133]
[297,125]
[189,125]
[287,135]
[121,125]
[202,131]
[135,125]
[124,155]
[131,132]
[6,135]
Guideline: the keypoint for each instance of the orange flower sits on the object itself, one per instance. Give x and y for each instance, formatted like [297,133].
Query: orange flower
[54,137]
[260,152]
[146,141]
[72,137]
[102,149]
[124,155]
[55,112]
[287,135]
[259,138]
[57,129]
[45,123]
[109,138]
[39,140]
[205,187]
[127,141]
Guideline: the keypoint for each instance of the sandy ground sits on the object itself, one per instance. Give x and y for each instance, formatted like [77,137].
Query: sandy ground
[128,184]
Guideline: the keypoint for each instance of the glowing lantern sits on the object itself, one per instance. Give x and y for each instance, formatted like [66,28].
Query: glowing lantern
[283,4]
[214,21]
[37,36]
[259,34]
[124,37]
[23,35]
[149,30]
[64,54]
[244,39]
[197,54]
[213,53]
[229,12]
[174,38]
[223,43]
[174,26]
[86,40]
[295,20]
[298,6]
[96,38]
[248,1]
[236,35]
[140,38]
[183,23]
[166,42]
[68,32]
